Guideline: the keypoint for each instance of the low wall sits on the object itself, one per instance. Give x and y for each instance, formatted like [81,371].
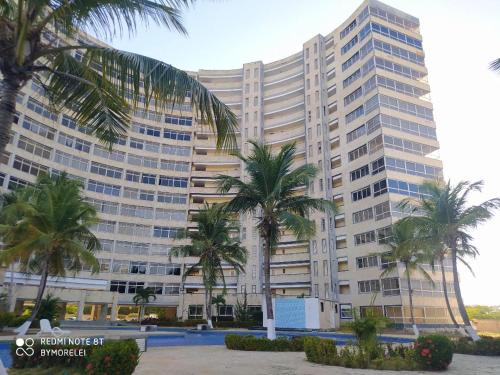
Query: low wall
[487,325]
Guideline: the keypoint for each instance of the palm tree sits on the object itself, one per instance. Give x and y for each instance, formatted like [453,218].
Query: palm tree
[212,244]
[49,308]
[409,248]
[142,297]
[218,300]
[273,192]
[495,65]
[448,218]
[90,81]
[52,234]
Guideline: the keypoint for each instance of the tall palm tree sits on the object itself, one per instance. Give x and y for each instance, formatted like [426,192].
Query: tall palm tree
[409,248]
[93,85]
[272,193]
[52,234]
[448,218]
[142,297]
[212,244]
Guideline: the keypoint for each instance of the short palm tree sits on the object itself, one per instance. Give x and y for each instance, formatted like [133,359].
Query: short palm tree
[448,218]
[212,244]
[410,249]
[52,234]
[93,85]
[218,300]
[273,193]
[141,298]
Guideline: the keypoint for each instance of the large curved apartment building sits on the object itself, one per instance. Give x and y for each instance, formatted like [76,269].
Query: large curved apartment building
[356,102]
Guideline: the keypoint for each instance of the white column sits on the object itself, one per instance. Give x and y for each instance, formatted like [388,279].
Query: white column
[114,308]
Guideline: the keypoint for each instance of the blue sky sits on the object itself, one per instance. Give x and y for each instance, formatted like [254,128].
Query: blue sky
[460,38]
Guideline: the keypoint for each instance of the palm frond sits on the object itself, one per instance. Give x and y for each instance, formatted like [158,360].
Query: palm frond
[495,65]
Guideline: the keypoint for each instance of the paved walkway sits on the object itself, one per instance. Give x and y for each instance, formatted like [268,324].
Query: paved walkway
[217,360]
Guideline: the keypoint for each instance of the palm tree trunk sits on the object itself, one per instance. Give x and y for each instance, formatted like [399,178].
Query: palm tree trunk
[141,313]
[445,290]
[8,92]
[208,299]
[39,295]
[458,295]
[271,332]
[410,295]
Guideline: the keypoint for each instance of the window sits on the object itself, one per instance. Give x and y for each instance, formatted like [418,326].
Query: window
[363,215]
[360,172]
[349,45]
[367,261]
[382,210]
[379,188]
[103,188]
[348,29]
[165,232]
[132,176]
[104,153]
[405,126]
[148,178]
[138,267]
[180,136]
[350,61]
[325,268]
[383,235]
[195,312]
[136,143]
[361,193]
[314,246]
[390,286]
[172,289]
[28,166]
[133,286]
[118,286]
[412,168]
[136,230]
[160,249]
[375,144]
[358,152]
[134,248]
[315,268]
[41,109]
[74,142]
[324,248]
[353,96]
[173,181]
[106,226]
[174,165]
[17,183]
[33,147]
[105,207]
[346,311]
[405,188]
[369,286]
[106,170]
[390,33]
[136,211]
[178,120]
[364,238]
[173,198]
[353,77]
[38,128]
[378,166]
[356,133]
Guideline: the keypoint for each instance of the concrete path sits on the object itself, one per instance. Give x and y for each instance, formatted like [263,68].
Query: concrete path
[217,360]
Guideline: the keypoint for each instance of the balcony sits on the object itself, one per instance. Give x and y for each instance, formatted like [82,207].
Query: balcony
[290,279]
[288,258]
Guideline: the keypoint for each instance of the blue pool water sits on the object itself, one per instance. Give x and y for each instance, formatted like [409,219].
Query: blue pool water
[184,337]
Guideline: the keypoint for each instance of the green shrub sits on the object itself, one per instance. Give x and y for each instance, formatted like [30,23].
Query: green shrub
[321,351]
[434,352]
[486,345]
[6,319]
[252,343]
[114,358]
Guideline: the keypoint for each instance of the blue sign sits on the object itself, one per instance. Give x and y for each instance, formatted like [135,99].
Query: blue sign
[290,312]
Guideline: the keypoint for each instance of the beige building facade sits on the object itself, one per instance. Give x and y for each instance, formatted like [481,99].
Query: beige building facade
[356,103]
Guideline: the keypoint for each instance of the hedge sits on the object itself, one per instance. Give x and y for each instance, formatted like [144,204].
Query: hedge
[324,351]
[252,343]
[112,358]
[486,345]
